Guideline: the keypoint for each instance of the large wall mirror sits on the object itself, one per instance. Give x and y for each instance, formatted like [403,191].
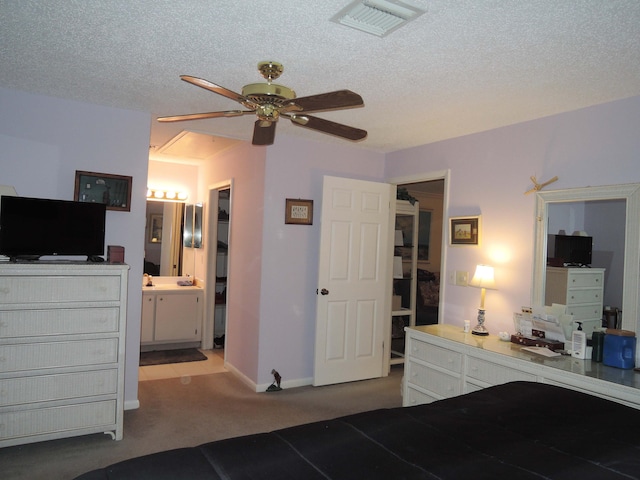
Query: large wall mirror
[611,213]
[163,253]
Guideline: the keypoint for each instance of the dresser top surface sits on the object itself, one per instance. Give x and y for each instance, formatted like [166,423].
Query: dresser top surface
[58,267]
[492,343]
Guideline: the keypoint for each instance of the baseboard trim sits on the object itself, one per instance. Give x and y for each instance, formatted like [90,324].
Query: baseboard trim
[262,387]
[241,376]
[299,382]
[132,404]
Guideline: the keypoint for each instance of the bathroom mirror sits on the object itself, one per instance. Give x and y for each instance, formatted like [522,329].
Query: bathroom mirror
[163,238]
[630,195]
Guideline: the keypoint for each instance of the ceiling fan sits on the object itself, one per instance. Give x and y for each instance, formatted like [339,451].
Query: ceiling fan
[270,101]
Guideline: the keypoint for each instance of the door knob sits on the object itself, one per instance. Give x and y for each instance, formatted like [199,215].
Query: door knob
[324,291]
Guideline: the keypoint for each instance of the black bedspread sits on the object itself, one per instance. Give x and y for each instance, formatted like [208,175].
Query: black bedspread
[518,430]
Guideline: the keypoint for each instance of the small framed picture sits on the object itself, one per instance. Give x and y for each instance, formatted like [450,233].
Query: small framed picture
[113,190]
[298,211]
[464,230]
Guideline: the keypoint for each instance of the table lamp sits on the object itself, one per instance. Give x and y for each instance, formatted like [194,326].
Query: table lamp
[483,279]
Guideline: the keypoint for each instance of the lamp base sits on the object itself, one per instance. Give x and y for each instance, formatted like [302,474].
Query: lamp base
[480,329]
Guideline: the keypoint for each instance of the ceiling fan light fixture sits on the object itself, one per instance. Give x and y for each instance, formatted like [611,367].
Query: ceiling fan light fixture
[258,90]
[377,17]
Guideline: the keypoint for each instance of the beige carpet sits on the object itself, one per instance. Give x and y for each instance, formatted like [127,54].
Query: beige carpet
[188,411]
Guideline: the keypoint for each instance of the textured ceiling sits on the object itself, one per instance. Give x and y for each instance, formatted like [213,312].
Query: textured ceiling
[464,66]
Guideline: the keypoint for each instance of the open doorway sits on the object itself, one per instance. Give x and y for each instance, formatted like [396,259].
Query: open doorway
[430,196]
[217,275]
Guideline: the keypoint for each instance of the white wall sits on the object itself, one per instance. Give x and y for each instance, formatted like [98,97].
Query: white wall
[295,169]
[44,140]
[490,172]
[244,165]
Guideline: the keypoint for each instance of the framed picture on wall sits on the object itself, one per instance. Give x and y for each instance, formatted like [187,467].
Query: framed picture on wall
[464,230]
[298,211]
[113,190]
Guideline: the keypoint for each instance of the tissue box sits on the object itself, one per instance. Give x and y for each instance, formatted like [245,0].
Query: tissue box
[115,254]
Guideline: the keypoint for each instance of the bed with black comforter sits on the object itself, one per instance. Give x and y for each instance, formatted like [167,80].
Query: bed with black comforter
[518,430]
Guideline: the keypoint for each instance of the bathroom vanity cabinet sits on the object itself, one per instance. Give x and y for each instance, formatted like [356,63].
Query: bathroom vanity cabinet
[171,315]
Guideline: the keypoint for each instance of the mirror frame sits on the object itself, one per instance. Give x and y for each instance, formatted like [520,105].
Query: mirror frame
[631,273]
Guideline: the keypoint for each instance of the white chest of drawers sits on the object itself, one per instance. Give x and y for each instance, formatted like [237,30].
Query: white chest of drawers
[62,344]
[581,290]
[442,361]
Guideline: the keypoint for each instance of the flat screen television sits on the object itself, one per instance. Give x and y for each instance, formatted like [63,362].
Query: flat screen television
[31,228]
[573,250]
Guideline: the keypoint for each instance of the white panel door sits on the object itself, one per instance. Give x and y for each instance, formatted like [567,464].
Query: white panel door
[352,281]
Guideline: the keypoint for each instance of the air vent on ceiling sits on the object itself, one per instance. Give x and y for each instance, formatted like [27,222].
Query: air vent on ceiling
[378,17]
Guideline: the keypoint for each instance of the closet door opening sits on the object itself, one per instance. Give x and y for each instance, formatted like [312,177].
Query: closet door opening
[217,272]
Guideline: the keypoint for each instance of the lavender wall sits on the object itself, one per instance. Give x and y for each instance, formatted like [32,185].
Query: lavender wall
[44,140]
[295,169]
[490,172]
[244,165]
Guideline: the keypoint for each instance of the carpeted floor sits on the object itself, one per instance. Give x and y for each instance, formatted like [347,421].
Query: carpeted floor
[162,357]
[188,411]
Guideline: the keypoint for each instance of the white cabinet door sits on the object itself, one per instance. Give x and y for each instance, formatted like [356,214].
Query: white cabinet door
[177,317]
[148,318]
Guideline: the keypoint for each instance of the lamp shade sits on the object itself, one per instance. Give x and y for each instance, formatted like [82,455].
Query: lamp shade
[483,277]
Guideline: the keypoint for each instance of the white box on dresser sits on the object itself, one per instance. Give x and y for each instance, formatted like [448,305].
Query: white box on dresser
[62,346]
[443,361]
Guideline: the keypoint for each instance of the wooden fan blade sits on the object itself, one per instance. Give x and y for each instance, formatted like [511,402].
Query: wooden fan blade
[327,126]
[264,133]
[225,92]
[337,100]
[199,116]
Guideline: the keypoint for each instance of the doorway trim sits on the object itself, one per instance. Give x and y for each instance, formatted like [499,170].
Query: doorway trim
[212,249]
[428,177]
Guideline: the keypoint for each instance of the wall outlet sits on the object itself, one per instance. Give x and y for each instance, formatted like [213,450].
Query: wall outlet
[462,278]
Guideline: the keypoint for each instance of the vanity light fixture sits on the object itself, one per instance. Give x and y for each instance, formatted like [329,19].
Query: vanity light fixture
[166,195]
[483,278]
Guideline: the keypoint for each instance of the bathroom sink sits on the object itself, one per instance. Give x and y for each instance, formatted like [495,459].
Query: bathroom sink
[168,286]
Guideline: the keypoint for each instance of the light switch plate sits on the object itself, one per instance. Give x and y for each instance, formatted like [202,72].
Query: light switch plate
[462,278]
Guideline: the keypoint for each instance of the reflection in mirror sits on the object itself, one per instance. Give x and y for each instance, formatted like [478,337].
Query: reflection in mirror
[197,226]
[163,233]
[188,227]
[192,237]
[608,214]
